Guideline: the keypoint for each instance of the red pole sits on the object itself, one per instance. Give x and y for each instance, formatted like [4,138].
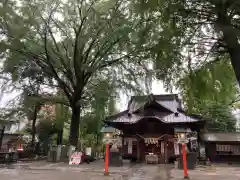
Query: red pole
[106,160]
[184,161]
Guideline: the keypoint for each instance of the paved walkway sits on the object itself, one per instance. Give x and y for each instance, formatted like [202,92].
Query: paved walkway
[210,173]
[94,171]
[62,171]
[152,172]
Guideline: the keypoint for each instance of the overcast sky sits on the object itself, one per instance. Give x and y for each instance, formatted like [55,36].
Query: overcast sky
[157,88]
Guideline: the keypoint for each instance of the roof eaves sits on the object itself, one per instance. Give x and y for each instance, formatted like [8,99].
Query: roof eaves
[196,116]
[164,106]
[112,117]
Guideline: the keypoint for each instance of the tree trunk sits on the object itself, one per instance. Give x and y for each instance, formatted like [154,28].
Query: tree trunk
[230,37]
[1,136]
[74,130]
[60,137]
[235,56]
[234,52]
[34,120]
[75,124]
[59,144]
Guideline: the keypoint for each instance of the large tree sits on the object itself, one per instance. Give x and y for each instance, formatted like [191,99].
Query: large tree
[72,43]
[206,50]
[208,29]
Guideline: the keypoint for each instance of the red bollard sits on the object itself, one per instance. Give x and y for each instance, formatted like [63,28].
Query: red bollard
[184,154]
[106,173]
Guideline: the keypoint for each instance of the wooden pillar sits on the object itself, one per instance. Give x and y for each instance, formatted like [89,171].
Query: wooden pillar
[162,145]
[122,148]
[199,142]
[166,151]
[138,150]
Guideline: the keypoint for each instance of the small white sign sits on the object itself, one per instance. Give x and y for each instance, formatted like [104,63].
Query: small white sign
[76,158]
[88,151]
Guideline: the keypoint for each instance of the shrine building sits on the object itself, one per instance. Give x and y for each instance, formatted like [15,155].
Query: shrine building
[150,125]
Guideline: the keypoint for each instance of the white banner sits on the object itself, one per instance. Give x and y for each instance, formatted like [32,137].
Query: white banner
[162,147]
[130,146]
[176,148]
[128,139]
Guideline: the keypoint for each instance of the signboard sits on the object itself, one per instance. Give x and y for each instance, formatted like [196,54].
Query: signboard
[183,141]
[202,151]
[76,158]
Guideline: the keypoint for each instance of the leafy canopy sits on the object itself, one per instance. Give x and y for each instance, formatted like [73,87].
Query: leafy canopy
[73,46]
[211,91]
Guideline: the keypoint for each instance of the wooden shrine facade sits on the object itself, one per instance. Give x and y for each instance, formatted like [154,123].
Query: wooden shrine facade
[149,124]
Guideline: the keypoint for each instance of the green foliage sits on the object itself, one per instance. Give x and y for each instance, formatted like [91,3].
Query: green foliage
[89,141]
[212,82]
[45,129]
[219,118]
[101,104]
[101,39]
[28,129]
[91,49]
[62,115]
[166,36]
[205,29]
[69,44]
[206,34]
[210,92]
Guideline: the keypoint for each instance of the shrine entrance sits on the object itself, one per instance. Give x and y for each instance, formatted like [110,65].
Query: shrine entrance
[157,149]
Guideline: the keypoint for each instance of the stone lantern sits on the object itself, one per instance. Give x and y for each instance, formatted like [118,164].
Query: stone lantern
[111,137]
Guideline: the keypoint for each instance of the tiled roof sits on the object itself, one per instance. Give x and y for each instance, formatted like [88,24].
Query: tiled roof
[221,137]
[171,103]
[107,129]
[172,118]
[128,119]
